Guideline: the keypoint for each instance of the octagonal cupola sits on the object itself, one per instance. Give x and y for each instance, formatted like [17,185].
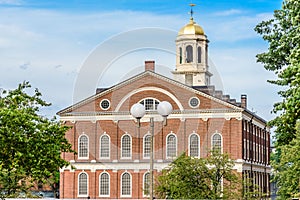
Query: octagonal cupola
[192,55]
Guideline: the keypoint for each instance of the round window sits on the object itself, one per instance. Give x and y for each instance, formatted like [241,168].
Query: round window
[194,102]
[105,104]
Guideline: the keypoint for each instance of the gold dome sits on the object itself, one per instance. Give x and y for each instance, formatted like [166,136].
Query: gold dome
[191,28]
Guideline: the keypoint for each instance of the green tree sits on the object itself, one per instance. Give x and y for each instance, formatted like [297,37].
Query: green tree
[31,145]
[185,178]
[287,173]
[224,182]
[282,32]
[193,178]
[283,57]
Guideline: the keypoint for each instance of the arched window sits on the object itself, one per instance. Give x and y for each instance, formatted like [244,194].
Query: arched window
[126,184]
[126,146]
[189,54]
[146,184]
[199,54]
[194,145]
[150,104]
[171,146]
[83,184]
[104,184]
[180,55]
[104,146]
[217,142]
[146,146]
[83,147]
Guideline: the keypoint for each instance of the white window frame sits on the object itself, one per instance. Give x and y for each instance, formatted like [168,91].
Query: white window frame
[154,105]
[122,157]
[88,146]
[217,133]
[171,134]
[144,145]
[189,148]
[100,146]
[144,176]
[105,195]
[78,185]
[121,182]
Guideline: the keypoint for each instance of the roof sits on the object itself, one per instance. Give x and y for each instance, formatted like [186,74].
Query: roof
[205,91]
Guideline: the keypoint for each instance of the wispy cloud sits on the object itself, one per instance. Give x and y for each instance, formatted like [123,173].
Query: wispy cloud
[25,66]
[11,2]
[57,42]
[235,28]
[228,12]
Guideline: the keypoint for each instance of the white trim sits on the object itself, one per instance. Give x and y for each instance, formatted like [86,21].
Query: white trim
[168,157]
[144,175]
[211,140]
[189,144]
[104,172]
[202,114]
[130,184]
[88,146]
[121,156]
[140,76]
[101,103]
[147,89]
[147,134]
[104,134]
[87,190]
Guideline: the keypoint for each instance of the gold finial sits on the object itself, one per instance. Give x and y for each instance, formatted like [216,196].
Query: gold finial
[192,12]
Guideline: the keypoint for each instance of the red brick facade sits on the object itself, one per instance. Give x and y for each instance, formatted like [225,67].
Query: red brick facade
[243,135]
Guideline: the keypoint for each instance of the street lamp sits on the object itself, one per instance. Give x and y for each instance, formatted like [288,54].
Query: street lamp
[164,108]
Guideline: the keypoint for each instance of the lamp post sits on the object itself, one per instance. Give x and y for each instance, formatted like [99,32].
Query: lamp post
[164,108]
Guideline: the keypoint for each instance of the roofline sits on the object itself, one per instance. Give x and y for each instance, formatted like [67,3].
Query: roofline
[138,76]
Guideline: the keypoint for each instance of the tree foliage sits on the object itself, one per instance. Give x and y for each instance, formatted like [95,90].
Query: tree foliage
[283,57]
[31,145]
[287,173]
[193,178]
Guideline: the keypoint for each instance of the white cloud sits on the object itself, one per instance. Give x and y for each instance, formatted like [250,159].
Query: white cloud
[57,43]
[234,28]
[228,12]
[11,2]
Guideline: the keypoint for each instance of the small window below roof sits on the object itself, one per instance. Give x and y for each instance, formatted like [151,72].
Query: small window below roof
[150,104]
[105,104]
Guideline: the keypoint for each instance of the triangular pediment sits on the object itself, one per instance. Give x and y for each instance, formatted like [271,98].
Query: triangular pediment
[145,85]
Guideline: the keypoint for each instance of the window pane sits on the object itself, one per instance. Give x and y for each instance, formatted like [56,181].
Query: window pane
[199,54]
[194,145]
[104,184]
[217,142]
[126,184]
[83,146]
[149,104]
[146,184]
[171,146]
[147,143]
[126,147]
[189,54]
[83,184]
[104,146]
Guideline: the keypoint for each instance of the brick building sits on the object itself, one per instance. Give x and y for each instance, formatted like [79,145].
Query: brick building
[113,153]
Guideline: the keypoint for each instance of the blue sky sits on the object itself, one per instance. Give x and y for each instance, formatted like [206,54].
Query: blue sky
[49,42]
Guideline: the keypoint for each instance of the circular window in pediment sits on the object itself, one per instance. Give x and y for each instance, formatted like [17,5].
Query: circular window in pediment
[194,102]
[105,104]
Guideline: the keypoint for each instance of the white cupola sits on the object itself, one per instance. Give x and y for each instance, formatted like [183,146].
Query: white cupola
[192,55]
